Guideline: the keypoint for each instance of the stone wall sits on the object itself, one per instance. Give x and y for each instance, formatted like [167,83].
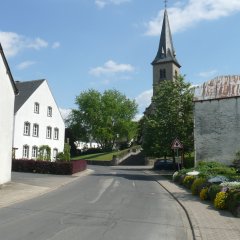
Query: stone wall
[217,129]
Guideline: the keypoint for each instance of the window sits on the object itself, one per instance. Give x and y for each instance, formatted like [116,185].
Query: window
[162,73]
[26,130]
[49,132]
[25,151]
[56,133]
[34,151]
[49,111]
[36,107]
[35,130]
[55,153]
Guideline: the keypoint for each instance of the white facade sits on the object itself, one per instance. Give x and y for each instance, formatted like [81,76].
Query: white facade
[7,95]
[38,122]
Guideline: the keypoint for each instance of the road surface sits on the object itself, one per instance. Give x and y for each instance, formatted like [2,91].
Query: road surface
[110,204]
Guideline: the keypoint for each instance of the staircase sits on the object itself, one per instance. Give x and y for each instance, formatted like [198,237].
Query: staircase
[134,160]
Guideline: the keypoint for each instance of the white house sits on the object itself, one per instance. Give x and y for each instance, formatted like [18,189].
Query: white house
[7,94]
[38,121]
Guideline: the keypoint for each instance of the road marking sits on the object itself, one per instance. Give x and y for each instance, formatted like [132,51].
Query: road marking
[133,183]
[106,184]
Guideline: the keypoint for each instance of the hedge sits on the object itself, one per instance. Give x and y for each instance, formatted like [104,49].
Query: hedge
[58,168]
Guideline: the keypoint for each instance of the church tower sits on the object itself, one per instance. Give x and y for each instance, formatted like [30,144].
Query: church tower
[165,64]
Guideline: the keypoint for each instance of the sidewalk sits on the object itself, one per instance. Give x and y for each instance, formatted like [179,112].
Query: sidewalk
[208,223]
[29,185]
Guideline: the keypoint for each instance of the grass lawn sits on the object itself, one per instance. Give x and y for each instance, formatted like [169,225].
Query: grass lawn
[97,156]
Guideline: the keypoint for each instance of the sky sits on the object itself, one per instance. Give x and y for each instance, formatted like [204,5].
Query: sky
[79,45]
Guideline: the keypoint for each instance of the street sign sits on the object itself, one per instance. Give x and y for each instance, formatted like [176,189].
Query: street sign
[176,144]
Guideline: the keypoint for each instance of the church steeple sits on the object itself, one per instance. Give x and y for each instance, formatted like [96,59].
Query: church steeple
[165,64]
[166,52]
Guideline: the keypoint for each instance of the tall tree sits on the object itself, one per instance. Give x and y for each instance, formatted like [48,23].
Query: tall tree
[171,116]
[103,118]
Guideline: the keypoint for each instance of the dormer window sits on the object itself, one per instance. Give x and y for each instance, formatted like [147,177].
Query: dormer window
[49,111]
[36,107]
[162,74]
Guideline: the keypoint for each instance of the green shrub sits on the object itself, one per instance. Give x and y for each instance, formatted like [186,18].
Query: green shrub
[188,161]
[233,202]
[65,155]
[204,194]
[198,185]
[220,200]
[213,190]
[188,181]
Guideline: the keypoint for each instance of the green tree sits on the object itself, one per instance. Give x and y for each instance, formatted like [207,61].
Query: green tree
[103,118]
[170,116]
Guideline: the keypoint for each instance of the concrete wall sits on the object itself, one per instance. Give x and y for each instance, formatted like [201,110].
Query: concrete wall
[217,129]
[6,124]
[44,97]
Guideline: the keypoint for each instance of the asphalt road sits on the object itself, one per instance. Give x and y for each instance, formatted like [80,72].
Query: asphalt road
[110,204]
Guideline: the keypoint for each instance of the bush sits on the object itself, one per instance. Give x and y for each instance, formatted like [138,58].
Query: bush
[198,185]
[65,155]
[213,190]
[233,202]
[220,200]
[59,168]
[188,181]
[204,194]
[188,162]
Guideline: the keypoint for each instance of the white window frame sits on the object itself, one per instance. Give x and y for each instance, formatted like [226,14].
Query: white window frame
[25,151]
[35,130]
[36,107]
[34,152]
[49,132]
[26,128]
[49,111]
[56,134]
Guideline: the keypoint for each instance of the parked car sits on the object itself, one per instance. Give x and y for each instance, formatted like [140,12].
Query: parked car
[164,164]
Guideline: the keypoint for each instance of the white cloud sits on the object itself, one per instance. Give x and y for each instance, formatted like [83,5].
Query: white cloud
[25,65]
[193,12]
[208,74]
[65,112]
[103,3]
[111,67]
[13,43]
[56,45]
[144,99]
[37,43]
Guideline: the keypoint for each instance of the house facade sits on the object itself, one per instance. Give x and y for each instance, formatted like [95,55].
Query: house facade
[7,92]
[38,121]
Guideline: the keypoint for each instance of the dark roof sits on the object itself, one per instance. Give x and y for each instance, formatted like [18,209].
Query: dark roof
[166,52]
[8,70]
[26,89]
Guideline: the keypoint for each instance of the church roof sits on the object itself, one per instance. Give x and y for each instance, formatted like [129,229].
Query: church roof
[166,52]
[26,89]
[8,70]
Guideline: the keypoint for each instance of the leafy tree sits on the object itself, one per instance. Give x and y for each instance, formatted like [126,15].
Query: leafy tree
[103,118]
[170,116]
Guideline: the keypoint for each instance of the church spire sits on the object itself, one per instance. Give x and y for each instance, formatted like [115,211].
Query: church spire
[166,52]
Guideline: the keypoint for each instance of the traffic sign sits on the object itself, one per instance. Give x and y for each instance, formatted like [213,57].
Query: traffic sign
[176,144]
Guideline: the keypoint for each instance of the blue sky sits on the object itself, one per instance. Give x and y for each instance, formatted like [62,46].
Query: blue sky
[104,44]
